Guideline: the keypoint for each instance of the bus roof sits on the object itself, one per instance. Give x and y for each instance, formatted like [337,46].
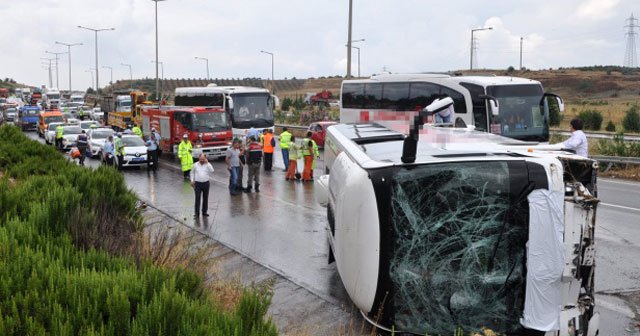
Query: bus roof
[418,77]
[214,89]
[375,146]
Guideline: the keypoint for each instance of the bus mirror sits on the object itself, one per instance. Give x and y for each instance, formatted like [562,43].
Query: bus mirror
[494,108]
[230,103]
[558,100]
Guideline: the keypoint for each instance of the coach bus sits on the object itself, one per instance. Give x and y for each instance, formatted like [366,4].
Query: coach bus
[509,106]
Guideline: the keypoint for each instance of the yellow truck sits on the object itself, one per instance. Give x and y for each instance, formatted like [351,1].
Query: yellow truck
[123,108]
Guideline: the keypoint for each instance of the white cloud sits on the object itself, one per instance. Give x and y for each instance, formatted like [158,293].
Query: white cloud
[597,9]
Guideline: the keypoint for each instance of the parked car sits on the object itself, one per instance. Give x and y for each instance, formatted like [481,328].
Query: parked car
[319,130]
[135,151]
[50,132]
[70,136]
[11,115]
[97,138]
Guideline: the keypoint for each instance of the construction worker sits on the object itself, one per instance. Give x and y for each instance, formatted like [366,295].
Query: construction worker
[285,139]
[137,131]
[184,153]
[119,150]
[80,113]
[316,155]
[253,155]
[307,153]
[59,136]
[268,147]
[93,126]
[294,154]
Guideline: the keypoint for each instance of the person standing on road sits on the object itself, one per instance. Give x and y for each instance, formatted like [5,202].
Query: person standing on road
[316,155]
[152,152]
[294,151]
[285,139]
[233,165]
[268,147]
[307,153]
[253,155]
[184,153]
[82,144]
[578,140]
[109,150]
[154,132]
[201,174]
[119,150]
[59,136]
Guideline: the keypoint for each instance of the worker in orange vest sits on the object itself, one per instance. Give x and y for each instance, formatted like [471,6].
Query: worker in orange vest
[268,147]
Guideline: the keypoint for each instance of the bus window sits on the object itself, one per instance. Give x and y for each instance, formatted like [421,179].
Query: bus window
[352,95]
[373,96]
[395,96]
[423,94]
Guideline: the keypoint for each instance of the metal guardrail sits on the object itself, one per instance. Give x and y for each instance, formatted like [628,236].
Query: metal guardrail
[599,135]
[617,159]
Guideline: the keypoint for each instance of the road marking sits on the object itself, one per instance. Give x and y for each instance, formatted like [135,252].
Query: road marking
[608,180]
[620,207]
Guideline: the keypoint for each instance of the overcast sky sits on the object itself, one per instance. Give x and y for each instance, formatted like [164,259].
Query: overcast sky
[307,37]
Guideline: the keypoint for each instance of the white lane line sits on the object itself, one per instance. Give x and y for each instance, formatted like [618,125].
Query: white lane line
[620,207]
[608,180]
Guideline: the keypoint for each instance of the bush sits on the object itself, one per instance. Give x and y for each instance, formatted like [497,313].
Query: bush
[610,127]
[618,147]
[286,103]
[631,121]
[554,113]
[592,119]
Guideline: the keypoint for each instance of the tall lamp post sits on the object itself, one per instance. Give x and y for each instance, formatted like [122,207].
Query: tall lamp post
[49,68]
[96,43]
[162,76]
[272,78]
[206,60]
[357,48]
[130,74]
[56,58]
[473,44]
[110,69]
[90,71]
[156,61]
[69,45]
[349,39]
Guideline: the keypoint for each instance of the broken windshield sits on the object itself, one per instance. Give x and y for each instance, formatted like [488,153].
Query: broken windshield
[459,248]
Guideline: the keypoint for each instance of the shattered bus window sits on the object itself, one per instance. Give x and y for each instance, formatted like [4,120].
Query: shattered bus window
[459,248]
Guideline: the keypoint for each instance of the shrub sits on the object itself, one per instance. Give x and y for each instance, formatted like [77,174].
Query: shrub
[631,121]
[286,103]
[554,113]
[610,127]
[592,119]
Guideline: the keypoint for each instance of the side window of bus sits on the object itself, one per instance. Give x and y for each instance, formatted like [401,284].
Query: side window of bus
[459,104]
[422,94]
[395,96]
[373,95]
[352,95]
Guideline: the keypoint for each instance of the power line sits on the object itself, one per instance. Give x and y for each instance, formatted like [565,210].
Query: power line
[630,56]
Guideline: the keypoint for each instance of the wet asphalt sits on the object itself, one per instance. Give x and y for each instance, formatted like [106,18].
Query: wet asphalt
[283,229]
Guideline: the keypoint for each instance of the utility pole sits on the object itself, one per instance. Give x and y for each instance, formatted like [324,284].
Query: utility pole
[158,94]
[111,69]
[521,53]
[630,56]
[130,74]
[49,67]
[473,44]
[69,45]
[56,58]
[349,39]
[357,48]
[96,43]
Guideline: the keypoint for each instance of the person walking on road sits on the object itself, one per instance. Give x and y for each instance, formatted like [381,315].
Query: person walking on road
[268,147]
[253,155]
[82,144]
[307,153]
[578,140]
[200,175]
[294,154]
[59,136]
[233,165]
[109,151]
[119,150]
[184,153]
[285,139]
[152,152]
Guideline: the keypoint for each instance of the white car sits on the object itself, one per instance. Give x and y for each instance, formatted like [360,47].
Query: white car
[50,133]
[97,138]
[70,136]
[135,151]
[73,121]
[97,114]
[86,124]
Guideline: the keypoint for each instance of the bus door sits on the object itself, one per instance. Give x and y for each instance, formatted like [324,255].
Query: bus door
[480,115]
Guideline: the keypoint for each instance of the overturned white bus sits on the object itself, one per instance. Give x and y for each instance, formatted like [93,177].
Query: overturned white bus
[472,231]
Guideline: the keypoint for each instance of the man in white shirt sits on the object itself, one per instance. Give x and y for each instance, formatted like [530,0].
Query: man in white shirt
[201,173]
[577,141]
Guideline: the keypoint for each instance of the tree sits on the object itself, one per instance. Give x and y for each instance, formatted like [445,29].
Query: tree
[610,127]
[631,121]
[554,113]
[592,119]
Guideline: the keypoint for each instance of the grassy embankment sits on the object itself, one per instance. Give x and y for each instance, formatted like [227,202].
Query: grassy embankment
[73,260]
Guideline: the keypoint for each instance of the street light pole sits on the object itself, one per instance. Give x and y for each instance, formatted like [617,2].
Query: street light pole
[69,45]
[357,48]
[50,76]
[96,42]
[206,60]
[91,72]
[521,53]
[130,74]
[56,58]
[473,44]
[157,79]
[272,78]
[162,76]
[111,69]
[349,39]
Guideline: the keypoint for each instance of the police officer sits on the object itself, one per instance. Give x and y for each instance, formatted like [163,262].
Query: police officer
[119,150]
[59,136]
[184,153]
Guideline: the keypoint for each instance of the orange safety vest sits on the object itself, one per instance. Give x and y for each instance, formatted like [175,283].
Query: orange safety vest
[268,146]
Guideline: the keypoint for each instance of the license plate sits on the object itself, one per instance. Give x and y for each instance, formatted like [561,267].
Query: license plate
[136,159]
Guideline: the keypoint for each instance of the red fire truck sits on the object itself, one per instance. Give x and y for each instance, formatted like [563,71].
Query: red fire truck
[208,128]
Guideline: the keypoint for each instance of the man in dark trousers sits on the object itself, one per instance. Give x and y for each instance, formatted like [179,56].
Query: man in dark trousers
[253,155]
[83,144]
[200,174]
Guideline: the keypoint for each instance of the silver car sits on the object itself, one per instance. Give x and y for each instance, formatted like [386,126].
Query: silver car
[70,136]
[50,133]
[97,138]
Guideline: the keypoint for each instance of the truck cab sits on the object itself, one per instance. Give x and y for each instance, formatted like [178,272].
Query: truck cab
[465,230]
[29,116]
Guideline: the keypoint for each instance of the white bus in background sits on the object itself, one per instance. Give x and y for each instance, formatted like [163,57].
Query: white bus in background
[509,106]
[247,106]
